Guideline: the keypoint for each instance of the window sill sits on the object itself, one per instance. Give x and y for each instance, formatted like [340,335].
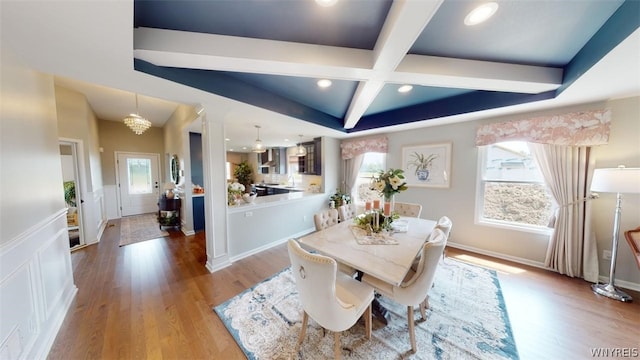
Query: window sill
[540,230]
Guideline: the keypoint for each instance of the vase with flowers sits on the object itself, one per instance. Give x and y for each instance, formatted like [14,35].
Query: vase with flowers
[388,183]
[234,192]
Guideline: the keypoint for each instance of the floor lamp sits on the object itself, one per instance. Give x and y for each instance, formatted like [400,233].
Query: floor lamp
[618,180]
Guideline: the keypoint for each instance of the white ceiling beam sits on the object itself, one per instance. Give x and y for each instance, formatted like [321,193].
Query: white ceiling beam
[477,75]
[233,53]
[404,23]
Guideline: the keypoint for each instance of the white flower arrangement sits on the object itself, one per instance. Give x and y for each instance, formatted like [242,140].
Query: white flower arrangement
[234,190]
[389,182]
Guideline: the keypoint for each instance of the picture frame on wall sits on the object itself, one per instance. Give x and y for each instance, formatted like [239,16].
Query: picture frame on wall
[427,165]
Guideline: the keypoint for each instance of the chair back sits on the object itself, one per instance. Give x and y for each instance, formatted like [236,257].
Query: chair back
[445,224]
[326,218]
[315,277]
[408,209]
[633,238]
[346,212]
[421,282]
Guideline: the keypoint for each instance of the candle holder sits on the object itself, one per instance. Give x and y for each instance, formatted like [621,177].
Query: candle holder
[375,221]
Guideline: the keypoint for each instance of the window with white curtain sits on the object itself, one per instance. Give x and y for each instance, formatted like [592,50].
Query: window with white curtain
[511,191]
[372,163]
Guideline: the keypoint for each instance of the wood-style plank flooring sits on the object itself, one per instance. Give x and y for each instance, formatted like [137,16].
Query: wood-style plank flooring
[154,300]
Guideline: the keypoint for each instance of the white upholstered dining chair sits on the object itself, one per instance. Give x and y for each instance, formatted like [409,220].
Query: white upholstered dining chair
[415,287]
[346,212]
[325,219]
[332,299]
[445,224]
[408,209]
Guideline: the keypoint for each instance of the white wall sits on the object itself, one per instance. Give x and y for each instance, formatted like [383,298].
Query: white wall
[458,202]
[36,278]
[77,122]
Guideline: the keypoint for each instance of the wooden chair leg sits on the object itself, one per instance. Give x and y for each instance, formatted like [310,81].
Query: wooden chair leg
[303,330]
[367,322]
[412,330]
[336,345]
[424,305]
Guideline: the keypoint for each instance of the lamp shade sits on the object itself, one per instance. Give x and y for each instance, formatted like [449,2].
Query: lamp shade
[616,180]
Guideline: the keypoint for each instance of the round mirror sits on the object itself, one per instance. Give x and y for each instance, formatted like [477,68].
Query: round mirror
[174,168]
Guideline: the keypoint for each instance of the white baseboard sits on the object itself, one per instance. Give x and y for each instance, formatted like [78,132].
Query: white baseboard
[620,283]
[604,279]
[213,268]
[498,255]
[187,232]
[270,245]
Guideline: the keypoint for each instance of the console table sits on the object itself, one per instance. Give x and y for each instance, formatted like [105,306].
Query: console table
[169,212]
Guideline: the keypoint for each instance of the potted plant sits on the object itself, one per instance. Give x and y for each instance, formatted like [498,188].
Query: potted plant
[244,175]
[422,164]
[70,193]
[339,198]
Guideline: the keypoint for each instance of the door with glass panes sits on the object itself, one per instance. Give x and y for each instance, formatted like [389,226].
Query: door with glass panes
[138,177]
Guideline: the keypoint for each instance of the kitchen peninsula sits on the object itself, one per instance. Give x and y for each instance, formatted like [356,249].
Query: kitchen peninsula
[274,219]
[271,220]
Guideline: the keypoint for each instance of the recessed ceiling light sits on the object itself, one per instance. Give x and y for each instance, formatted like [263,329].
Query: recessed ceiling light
[244,148]
[405,88]
[326,3]
[227,139]
[324,83]
[481,13]
[286,139]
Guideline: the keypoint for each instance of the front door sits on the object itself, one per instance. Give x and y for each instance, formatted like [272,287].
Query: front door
[138,182]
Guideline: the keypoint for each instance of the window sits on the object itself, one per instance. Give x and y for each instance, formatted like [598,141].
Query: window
[139,172]
[511,190]
[371,165]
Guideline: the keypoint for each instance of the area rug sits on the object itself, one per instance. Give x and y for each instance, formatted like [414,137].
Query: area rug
[137,228]
[467,319]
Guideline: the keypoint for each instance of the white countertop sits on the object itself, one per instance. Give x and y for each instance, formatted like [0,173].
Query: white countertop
[271,200]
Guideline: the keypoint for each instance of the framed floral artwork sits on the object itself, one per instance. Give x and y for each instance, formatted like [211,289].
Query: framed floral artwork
[427,165]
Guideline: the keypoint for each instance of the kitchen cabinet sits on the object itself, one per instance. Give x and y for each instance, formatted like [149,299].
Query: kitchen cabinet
[273,161]
[311,164]
[198,213]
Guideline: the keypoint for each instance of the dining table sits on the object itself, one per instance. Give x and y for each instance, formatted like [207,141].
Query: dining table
[389,262]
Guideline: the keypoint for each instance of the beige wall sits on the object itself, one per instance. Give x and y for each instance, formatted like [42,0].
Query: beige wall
[458,202]
[31,175]
[623,149]
[116,136]
[37,277]
[76,120]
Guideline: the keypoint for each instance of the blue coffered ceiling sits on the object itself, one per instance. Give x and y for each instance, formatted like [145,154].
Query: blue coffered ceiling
[270,53]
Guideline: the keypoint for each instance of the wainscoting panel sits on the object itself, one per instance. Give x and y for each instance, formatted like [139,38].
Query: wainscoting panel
[36,290]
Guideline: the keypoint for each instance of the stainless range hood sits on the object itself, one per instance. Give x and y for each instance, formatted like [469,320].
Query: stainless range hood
[269,163]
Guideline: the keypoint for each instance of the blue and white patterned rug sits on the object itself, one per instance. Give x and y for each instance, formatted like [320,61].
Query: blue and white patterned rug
[467,320]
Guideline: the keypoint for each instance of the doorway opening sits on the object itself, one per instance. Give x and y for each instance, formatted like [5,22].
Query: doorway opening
[71,182]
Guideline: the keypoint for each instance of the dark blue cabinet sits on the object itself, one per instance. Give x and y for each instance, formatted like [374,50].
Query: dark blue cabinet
[198,213]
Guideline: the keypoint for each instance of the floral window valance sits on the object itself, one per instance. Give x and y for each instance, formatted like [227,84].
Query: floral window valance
[352,148]
[585,128]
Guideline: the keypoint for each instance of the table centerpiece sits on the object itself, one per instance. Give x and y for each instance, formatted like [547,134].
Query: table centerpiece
[388,184]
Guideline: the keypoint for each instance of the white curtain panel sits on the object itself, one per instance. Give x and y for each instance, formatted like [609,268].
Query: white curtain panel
[567,171]
[352,168]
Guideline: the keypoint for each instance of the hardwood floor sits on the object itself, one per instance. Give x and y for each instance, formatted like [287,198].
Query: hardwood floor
[154,300]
